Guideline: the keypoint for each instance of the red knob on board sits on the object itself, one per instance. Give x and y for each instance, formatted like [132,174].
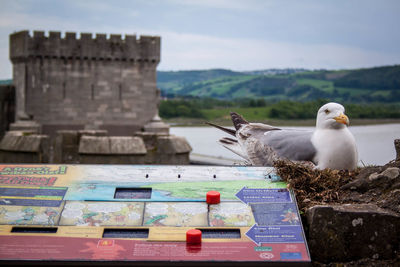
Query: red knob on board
[193,236]
[213,197]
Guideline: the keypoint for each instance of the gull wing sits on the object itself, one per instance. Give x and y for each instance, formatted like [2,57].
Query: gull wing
[264,144]
[291,144]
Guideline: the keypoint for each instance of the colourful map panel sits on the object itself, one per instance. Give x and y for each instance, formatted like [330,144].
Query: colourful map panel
[97,213]
[32,215]
[141,213]
[230,214]
[32,196]
[175,214]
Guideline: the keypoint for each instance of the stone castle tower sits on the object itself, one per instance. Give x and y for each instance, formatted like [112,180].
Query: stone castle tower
[76,83]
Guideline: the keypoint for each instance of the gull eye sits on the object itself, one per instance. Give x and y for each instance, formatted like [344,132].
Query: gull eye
[326,111]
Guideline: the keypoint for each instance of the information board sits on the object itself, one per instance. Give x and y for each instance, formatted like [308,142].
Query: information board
[141,213]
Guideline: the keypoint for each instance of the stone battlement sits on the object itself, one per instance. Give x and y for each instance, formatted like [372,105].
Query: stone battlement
[23,45]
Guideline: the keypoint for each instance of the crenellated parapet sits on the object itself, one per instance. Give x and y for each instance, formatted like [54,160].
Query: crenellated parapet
[23,45]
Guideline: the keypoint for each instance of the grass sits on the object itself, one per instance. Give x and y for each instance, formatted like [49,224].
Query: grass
[323,85]
[220,86]
[354,92]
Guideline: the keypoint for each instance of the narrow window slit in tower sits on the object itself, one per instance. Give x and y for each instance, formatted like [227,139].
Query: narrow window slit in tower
[92,92]
[64,92]
[120,92]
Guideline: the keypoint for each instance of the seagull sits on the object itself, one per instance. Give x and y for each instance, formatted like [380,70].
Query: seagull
[330,145]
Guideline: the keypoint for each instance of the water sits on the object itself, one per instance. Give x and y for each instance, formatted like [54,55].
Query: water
[375,142]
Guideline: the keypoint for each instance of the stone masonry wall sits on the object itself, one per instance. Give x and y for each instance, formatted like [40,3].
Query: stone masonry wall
[68,83]
[7,105]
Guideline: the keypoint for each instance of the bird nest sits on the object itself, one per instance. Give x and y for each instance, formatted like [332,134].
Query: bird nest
[313,186]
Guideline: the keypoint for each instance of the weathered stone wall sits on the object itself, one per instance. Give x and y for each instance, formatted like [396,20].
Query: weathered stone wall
[68,83]
[66,144]
[96,147]
[165,149]
[7,105]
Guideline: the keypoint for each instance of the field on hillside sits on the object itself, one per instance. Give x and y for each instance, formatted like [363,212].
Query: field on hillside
[373,85]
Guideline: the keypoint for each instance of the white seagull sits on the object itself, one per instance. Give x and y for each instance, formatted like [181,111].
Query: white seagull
[330,145]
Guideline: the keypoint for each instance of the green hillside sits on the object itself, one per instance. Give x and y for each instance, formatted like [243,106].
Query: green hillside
[381,84]
[172,82]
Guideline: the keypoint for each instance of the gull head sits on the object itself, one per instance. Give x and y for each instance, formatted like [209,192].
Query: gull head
[331,116]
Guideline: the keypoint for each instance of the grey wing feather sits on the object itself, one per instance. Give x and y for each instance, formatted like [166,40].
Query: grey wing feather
[291,144]
[260,154]
[250,138]
[255,130]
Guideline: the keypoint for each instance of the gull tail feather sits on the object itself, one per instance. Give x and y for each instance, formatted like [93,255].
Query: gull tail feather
[227,130]
[234,146]
[238,120]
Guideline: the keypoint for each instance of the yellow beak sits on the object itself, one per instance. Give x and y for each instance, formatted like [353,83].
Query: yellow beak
[342,119]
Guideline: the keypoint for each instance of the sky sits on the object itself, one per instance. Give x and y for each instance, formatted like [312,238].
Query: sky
[240,35]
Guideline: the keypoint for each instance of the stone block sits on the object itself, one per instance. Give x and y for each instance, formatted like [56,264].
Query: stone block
[114,145]
[173,145]
[18,141]
[340,233]
[17,147]
[127,145]
[94,145]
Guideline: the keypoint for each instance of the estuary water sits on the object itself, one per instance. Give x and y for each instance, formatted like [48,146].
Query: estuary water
[375,142]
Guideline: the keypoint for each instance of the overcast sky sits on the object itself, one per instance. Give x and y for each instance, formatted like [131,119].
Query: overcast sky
[232,34]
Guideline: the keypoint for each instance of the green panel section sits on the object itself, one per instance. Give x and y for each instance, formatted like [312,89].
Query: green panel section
[198,190]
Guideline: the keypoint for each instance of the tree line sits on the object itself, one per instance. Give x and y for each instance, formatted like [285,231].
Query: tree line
[193,107]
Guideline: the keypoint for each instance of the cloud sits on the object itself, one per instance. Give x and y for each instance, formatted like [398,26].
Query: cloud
[234,34]
[220,4]
[185,51]
[182,51]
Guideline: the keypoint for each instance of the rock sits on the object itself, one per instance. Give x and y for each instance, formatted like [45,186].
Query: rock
[360,185]
[339,233]
[392,201]
[397,148]
[391,172]
[368,180]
